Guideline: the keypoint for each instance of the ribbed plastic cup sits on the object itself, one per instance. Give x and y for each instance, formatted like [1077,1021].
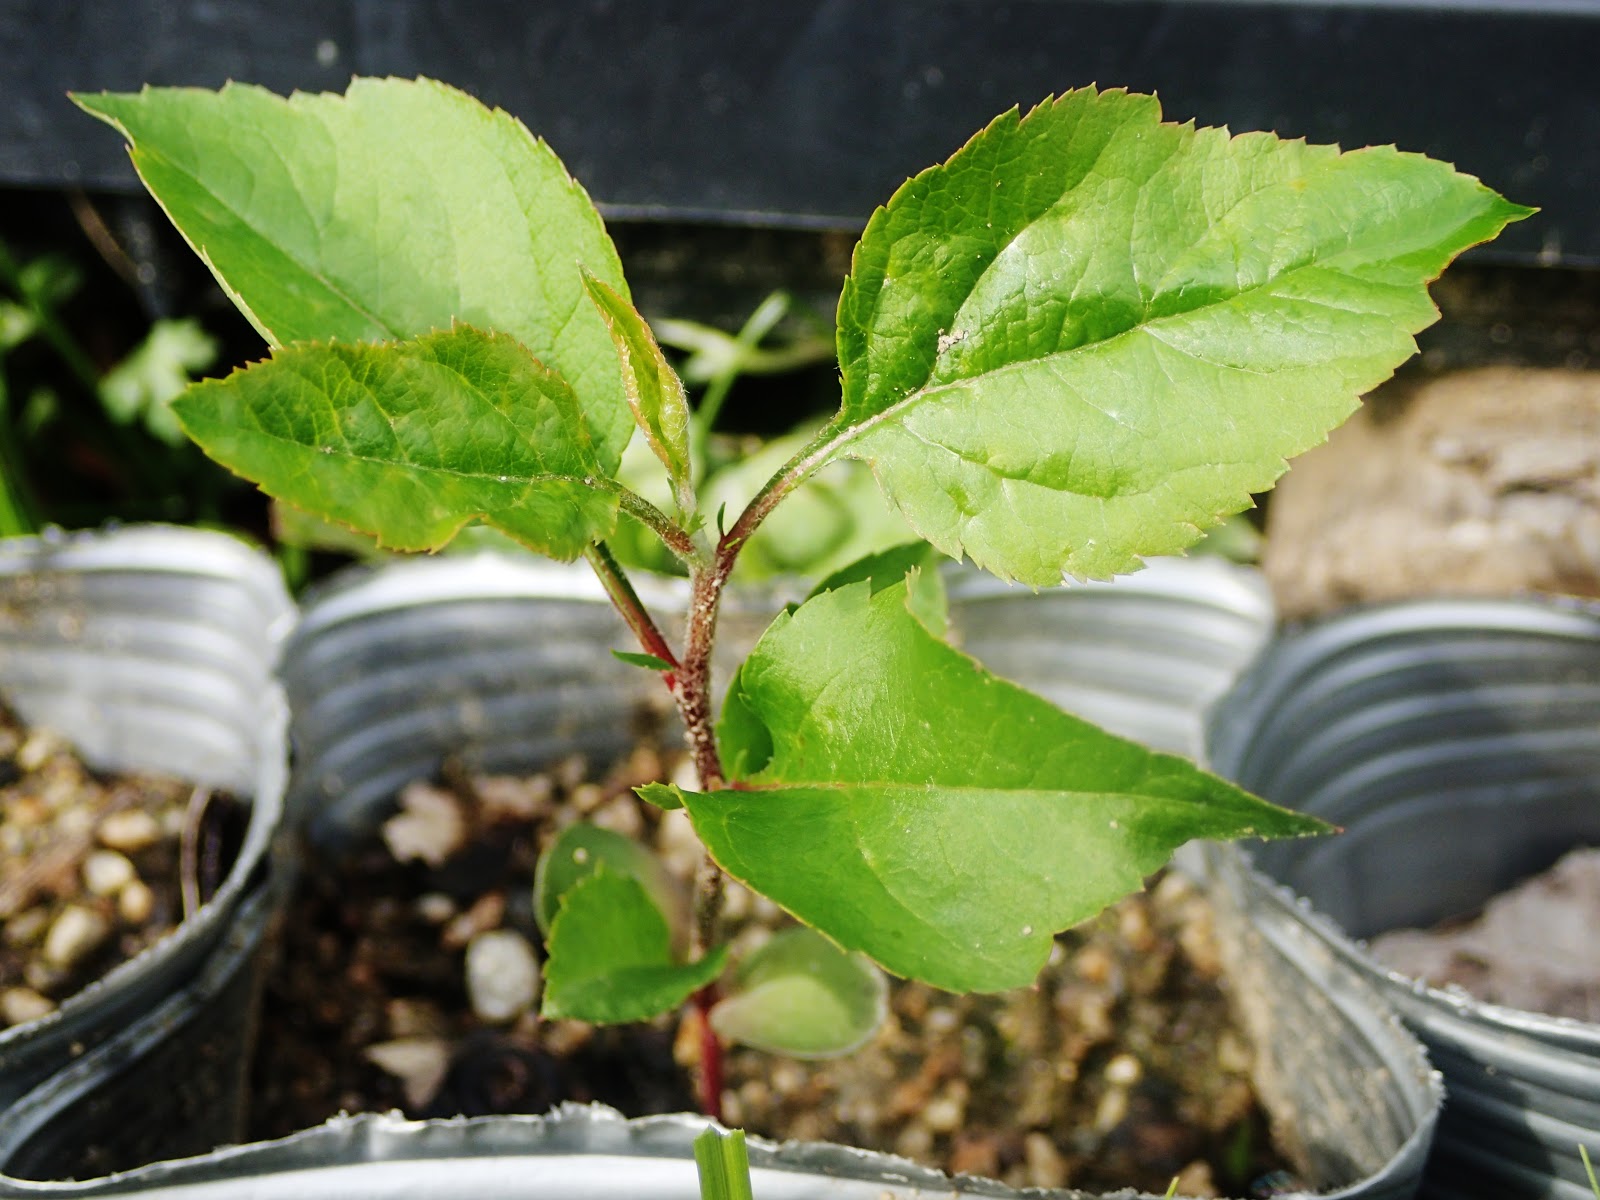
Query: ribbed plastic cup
[1458,744]
[151,648]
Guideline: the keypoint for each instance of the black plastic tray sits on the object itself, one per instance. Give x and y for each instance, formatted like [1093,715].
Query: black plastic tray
[809,113]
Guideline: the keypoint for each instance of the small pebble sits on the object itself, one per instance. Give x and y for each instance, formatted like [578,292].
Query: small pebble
[1124,1071]
[945,1112]
[429,826]
[507,798]
[27,927]
[129,830]
[106,872]
[502,975]
[40,746]
[19,1005]
[620,815]
[435,908]
[135,902]
[1047,1167]
[419,1063]
[586,798]
[486,913]
[76,933]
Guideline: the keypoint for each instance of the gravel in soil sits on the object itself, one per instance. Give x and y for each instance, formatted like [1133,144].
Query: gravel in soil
[92,867]
[405,983]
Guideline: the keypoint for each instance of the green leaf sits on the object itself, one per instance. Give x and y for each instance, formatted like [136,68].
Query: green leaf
[411,441]
[654,391]
[915,562]
[1090,335]
[801,995]
[388,212]
[579,850]
[610,956]
[723,1164]
[649,662]
[932,816]
[662,795]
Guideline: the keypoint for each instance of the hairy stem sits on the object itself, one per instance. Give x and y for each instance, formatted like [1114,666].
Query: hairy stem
[679,541]
[818,451]
[689,681]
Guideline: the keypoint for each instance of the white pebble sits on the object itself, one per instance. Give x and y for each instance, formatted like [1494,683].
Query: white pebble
[74,935]
[106,872]
[129,830]
[1123,1071]
[419,1063]
[502,975]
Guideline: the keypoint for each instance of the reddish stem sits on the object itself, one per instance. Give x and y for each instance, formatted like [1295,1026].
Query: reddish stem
[710,1080]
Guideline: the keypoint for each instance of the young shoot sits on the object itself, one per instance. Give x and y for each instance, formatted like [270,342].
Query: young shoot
[1086,338]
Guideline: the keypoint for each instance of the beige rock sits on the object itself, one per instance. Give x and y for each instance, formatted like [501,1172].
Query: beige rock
[135,902]
[76,933]
[1483,482]
[106,872]
[19,1005]
[129,830]
[429,825]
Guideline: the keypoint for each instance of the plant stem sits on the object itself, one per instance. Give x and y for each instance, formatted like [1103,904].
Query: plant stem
[679,541]
[818,451]
[627,602]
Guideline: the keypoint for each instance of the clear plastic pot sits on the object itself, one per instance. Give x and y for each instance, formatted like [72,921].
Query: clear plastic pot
[152,648]
[1458,744]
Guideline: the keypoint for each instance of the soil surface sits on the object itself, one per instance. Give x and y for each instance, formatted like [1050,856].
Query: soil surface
[1122,1067]
[1532,947]
[93,868]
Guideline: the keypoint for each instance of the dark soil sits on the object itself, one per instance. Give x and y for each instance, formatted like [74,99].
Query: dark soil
[1121,1067]
[93,868]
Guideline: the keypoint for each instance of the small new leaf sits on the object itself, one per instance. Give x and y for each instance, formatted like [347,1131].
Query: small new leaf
[410,441]
[952,822]
[610,956]
[654,391]
[580,850]
[649,662]
[1090,335]
[800,995]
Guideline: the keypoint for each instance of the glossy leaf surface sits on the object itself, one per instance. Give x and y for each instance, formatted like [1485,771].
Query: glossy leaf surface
[411,441]
[388,212]
[579,850]
[610,956]
[951,822]
[1090,335]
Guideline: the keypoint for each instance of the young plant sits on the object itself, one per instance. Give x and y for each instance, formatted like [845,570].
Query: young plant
[1085,338]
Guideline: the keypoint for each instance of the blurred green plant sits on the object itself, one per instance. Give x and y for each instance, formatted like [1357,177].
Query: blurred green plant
[80,444]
